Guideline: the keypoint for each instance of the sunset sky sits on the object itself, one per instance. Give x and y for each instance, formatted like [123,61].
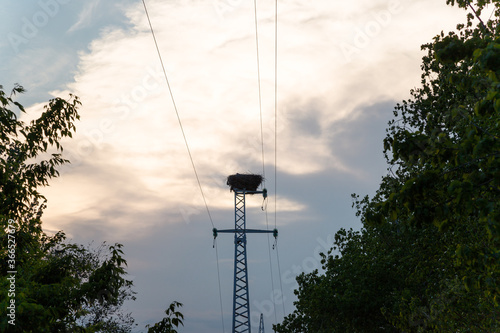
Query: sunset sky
[342,67]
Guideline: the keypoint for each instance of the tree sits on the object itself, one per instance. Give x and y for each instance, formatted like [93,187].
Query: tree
[428,255]
[349,296]
[444,147]
[170,322]
[67,287]
[388,278]
[52,286]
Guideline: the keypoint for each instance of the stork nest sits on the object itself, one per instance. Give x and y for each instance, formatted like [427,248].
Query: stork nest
[248,182]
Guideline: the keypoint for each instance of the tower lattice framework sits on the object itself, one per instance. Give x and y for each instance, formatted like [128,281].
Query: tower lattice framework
[241,302]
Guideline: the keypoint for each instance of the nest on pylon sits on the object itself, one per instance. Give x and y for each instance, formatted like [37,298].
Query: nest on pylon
[247,182]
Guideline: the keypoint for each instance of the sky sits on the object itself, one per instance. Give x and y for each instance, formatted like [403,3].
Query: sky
[342,67]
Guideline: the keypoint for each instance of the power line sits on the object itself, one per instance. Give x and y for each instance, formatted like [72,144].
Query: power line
[218,279]
[260,92]
[177,113]
[263,154]
[275,110]
[189,153]
[281,284]
[276,139]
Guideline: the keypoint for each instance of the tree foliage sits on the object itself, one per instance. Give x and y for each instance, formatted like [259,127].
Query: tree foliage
[389,278]
[444,148]
[169,323]
[428,255]
[59,287]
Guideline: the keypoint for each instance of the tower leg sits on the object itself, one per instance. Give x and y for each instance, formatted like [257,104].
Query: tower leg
[261,324]
[241,304]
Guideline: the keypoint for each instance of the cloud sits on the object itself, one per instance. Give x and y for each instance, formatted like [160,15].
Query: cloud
[129,153]
[357,140]
[85,16]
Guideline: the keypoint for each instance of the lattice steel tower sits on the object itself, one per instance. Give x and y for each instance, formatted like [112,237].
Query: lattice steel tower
[241,304]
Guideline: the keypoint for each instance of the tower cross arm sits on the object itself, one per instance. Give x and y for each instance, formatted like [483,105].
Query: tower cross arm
[248,231]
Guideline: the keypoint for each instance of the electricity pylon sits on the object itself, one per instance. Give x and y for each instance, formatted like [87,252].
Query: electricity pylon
[261,324]
[241,304]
